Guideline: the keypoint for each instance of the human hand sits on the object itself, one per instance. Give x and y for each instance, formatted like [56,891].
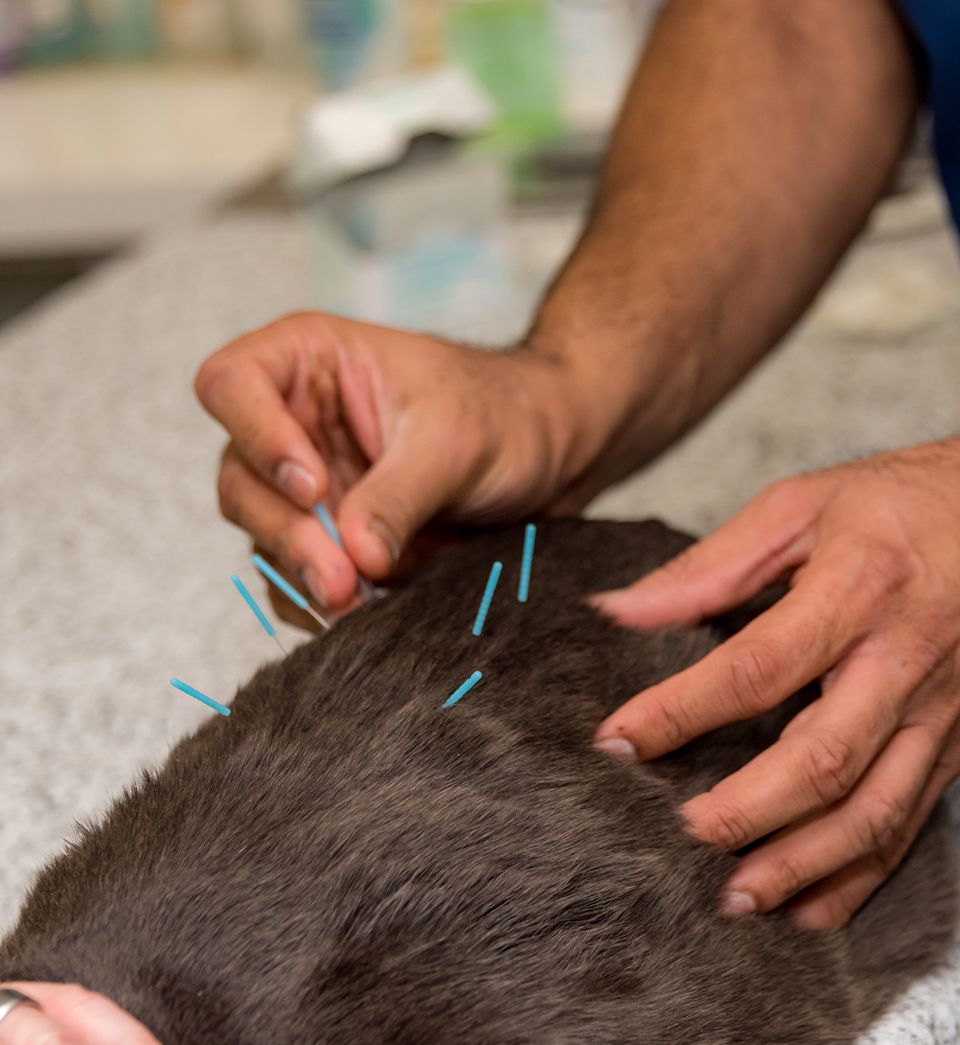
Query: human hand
[872,552]
[390,428]
[69,1015]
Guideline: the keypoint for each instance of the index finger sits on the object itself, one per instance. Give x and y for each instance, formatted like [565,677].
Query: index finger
[767,537]
[244,386]
[794,642]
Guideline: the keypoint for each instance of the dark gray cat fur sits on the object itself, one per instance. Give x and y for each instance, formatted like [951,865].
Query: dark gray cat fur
[342,861]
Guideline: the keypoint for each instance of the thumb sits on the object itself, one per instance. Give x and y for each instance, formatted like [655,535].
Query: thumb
[763,540]
[415,478]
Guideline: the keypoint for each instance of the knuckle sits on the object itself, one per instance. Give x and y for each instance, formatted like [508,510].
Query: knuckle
[788,876]
[786,495]
[297,327]
[209,374]
[881,567]
[885,861]
[729,828]
[754,670]
[882,822]
[829,767]
[668,722]
[297,319]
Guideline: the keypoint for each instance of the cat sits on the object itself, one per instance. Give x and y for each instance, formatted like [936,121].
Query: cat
[344,860]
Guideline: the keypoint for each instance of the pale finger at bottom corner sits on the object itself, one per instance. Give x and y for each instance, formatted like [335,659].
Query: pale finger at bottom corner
[27,1025]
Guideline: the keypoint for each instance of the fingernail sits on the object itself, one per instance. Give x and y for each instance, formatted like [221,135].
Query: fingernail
[619,747]
[608,599]
[314,585]
[736,904]
[296,482]
[624,603]
[383,533]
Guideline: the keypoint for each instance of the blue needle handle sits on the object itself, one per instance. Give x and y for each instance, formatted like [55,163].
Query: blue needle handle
[495,570]
[271,574]
[320,511]
[462,689]
[529,537]
[252,603]
[202,697]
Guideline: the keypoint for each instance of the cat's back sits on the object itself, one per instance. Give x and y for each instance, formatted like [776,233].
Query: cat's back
[388,870]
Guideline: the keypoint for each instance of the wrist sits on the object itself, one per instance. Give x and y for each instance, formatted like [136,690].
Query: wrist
[616,401]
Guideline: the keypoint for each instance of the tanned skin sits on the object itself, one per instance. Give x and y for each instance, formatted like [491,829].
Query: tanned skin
[753,143]
[755,139]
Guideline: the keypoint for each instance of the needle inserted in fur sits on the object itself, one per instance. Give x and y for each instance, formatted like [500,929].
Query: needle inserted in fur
[495,570]
[462,689]
[288,589]
[321,511]
[529,537]
[202,697]
[257,612]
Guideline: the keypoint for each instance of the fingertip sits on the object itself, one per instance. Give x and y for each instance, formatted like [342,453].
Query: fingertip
[641,606]
[313,582]
[614,735]
[610,603]
[738,903]
[332,582]
[297,483]
[606,731]
[372,545]
[618,747]
[691,812]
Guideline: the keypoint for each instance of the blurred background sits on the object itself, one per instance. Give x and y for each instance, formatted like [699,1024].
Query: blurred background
[175,172]
[438,153]
[123,117]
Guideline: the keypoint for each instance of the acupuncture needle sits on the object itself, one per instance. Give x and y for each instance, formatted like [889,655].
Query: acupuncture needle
[257,612]
[185,687]
[321,511]
[288,589]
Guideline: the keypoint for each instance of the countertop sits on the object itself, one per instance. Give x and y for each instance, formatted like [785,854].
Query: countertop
[115,567]
[97,155]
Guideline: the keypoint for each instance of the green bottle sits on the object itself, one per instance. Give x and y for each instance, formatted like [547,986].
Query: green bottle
[510,47]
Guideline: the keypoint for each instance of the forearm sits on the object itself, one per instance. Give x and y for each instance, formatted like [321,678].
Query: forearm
[754,140]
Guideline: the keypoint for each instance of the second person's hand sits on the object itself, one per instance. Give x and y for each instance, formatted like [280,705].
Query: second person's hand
[390,429]
[837,800]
